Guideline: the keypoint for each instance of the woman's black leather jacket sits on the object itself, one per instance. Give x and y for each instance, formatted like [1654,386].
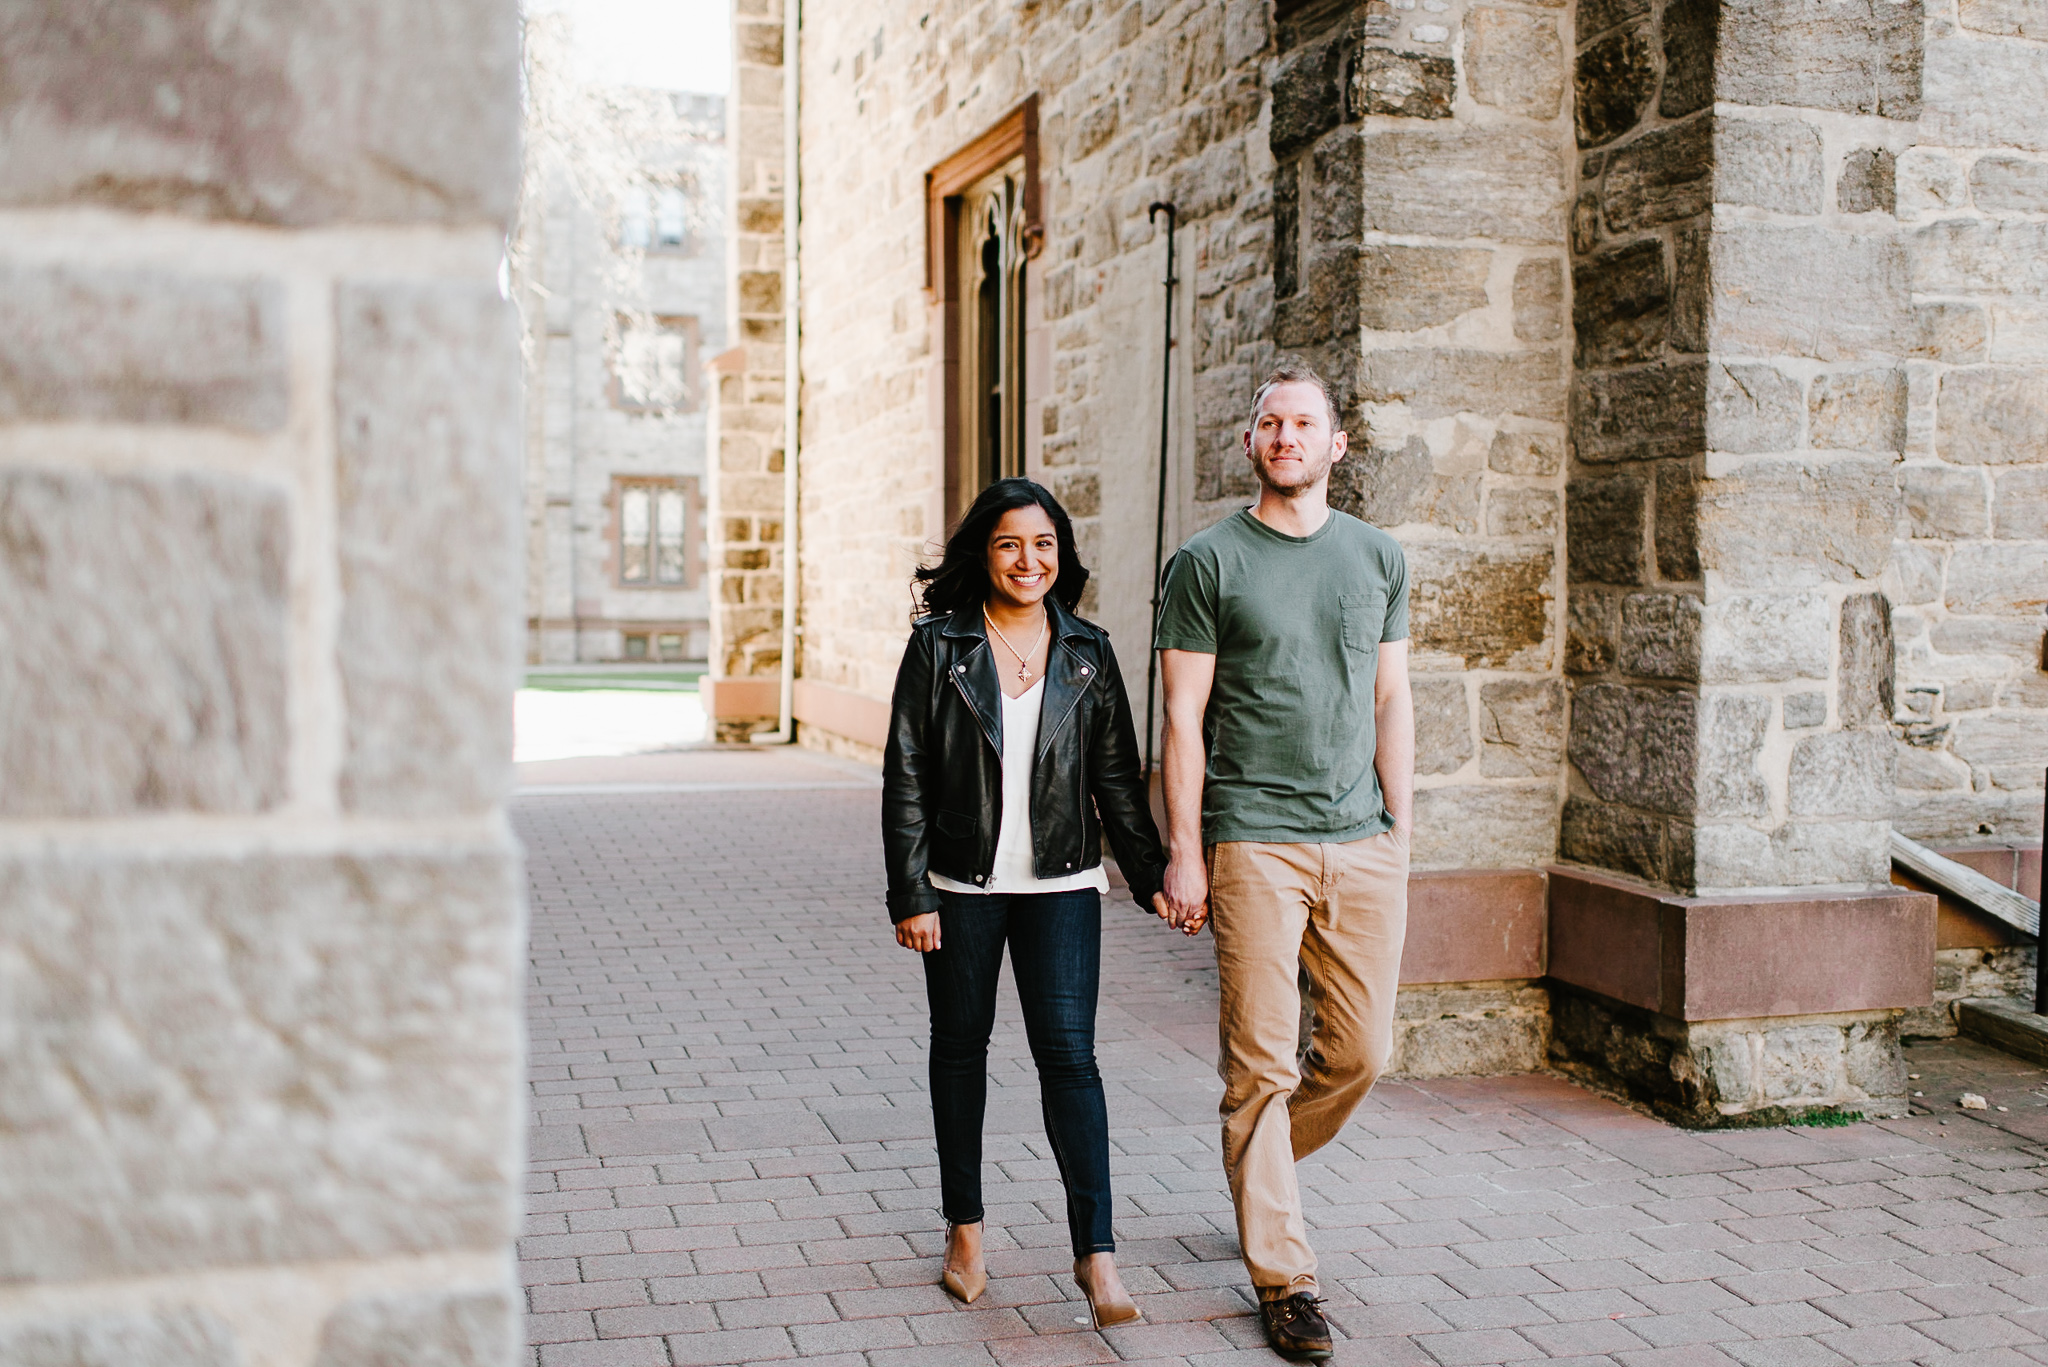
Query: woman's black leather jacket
[942,777]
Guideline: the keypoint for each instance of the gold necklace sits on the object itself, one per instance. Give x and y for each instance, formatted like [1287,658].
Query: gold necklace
[1023,661]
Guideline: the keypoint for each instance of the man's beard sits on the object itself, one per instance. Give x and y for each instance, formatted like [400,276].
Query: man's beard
[1313,472]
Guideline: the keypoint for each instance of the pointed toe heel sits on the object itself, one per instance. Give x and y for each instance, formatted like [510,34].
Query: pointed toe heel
[1109,1313]
[965,1287]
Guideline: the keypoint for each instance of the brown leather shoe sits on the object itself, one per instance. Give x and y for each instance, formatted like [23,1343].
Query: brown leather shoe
[1295,1328]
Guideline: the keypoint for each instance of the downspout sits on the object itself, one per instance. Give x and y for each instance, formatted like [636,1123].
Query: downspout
[792,372]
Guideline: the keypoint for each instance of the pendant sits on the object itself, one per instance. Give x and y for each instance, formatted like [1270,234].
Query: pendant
[1023,672]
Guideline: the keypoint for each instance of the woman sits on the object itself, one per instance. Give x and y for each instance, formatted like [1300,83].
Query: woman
[1010,753]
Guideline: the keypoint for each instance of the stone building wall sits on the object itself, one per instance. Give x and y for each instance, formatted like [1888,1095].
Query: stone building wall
[746,555]
[1969,571]
[1419,189]
[593,300]
[1139,102]
[260,915]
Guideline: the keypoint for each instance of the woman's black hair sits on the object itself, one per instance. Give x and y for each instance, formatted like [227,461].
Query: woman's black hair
[960,579]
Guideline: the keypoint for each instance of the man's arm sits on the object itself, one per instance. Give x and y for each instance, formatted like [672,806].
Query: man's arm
[1393,708]
[1189,675]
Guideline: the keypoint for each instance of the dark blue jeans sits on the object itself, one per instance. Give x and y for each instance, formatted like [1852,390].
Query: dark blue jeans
[1055,941]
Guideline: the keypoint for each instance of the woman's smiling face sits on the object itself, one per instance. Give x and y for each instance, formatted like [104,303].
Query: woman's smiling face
[1023,558]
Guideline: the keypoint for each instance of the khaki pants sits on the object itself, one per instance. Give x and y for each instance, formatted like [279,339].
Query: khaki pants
[1340,912]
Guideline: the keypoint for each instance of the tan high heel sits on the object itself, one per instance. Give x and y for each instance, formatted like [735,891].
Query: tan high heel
[1107,1314]
[964,1286]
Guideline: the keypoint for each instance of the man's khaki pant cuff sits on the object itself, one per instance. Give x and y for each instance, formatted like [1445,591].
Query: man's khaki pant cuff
[1281,1293]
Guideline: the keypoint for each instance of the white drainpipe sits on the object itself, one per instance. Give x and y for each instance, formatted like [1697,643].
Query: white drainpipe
[792,22]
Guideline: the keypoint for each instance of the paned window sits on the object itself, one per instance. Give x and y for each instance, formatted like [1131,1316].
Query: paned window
[991,317]
[654,363]
[657,538]
[656,218]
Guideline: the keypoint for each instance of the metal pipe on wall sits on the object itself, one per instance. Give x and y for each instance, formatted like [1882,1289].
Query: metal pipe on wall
[792,370]
[1165,429]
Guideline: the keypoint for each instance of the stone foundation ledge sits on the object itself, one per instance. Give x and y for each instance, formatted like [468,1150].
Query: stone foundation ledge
[1474,1029]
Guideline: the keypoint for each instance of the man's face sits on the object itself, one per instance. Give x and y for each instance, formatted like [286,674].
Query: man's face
[1290,443]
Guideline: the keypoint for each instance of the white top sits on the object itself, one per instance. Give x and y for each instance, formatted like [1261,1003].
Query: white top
[1013,871]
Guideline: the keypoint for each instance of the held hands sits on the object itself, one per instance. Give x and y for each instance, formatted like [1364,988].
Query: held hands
[920,933]
[1184,904]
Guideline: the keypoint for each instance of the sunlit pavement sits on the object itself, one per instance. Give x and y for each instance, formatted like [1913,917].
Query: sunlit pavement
[732,1156]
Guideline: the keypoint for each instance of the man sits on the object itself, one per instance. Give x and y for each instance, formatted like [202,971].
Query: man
[1290,763]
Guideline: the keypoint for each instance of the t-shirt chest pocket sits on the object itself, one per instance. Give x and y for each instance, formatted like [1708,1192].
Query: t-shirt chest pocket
[1364,615]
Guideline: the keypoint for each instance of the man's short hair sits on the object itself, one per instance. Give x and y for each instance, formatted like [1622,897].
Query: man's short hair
[1293,372]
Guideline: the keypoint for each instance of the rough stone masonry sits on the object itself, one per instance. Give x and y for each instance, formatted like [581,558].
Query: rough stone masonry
[260,913]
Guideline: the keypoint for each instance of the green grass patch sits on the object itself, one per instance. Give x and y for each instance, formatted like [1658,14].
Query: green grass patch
[648,680]
[1826,1117]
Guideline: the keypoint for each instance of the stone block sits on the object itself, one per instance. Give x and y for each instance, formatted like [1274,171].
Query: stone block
[1691,301]
[2000,738]
[1989,94]
[165,1338]
[1819,293]
[1764,637]
[1660,636]
[460,1329]
[1665,176]
[2013,18]
[1539,300]
[1604,529]
[1866,665]
[276,111]
[1524,453]
[1484,827]
[1867,183]
[141,347]
[2021,505]
[1307,97]
[1843,773]
[146,622]
[1857,410]
[1436,382]
[1787,524]
[1980,256]
[1636,746]
[1944,502]
[1590,632]
[1406,289]
[1993,416]
[1521,727]
[1731,739]
[1928,180]
[1999,578]
[1488,605]
[1325,309]
[1329,191]
[1853,58]
[1383,485]
[263,1058]
[1443,725]
[1947,331]
[1460,182]
[1647,414]
[427,413]
[1286,245]
[1514,61]
[1803,710]
[1770,165]
[1402,84]
[1621,305]
[1470,1031]
[1626,840]
[1753,407]
[1613,82]
[1595,17]
[1676,525]
[1521,513]
[1690,31]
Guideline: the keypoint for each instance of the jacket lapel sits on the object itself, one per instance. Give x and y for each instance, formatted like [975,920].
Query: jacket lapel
[1068,675]
[973,668]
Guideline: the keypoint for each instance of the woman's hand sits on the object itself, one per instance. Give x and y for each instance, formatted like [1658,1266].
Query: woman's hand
[920,933]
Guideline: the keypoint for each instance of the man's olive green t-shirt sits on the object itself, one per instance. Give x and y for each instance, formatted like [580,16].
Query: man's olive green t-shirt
[1295,624]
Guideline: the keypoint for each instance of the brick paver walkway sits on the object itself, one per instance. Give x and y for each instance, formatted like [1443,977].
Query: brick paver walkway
[732,1159]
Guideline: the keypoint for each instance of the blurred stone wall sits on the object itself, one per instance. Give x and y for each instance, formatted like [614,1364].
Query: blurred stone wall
[1969,571]
[260,915]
